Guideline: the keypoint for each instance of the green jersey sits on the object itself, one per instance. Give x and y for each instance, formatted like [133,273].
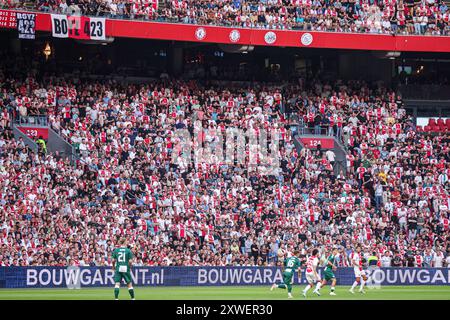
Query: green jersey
[328,267]
[122,256]
[291,264]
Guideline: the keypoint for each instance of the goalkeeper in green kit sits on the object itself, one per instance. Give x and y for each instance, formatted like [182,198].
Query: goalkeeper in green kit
[328,274]
[121,262]
[291,265]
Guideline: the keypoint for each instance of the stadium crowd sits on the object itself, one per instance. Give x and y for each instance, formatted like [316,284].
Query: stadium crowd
[429,17]
[391,196]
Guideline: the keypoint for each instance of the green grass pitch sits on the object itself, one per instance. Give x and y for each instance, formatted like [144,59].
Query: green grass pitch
[228,293]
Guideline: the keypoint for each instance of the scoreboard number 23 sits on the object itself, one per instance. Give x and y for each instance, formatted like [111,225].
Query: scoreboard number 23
[93,29]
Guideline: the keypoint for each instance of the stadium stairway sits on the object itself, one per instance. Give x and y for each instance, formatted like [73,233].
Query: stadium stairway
[28,142]
[31,128]
[58,143]
[338,149]
[303,135]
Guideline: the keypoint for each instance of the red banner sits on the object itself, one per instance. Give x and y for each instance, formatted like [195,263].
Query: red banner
[262,37]
[77,29]
[34,132]
[326,143]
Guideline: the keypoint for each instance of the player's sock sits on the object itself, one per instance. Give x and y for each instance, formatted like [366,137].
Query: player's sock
[116,293]
[131,292]
[282,286]
[362,285]
[307,288]
[319,284]
[354,285]
[289,288]
[332,289]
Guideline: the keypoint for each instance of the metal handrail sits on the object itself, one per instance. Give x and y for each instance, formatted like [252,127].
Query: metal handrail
[32,120]
[31,144]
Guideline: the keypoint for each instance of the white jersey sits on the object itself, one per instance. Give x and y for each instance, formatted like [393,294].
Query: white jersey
[438,260]
[311,265]
[386,261]
[356,260]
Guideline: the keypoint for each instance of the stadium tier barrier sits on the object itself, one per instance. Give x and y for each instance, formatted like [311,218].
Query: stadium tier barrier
[78,277]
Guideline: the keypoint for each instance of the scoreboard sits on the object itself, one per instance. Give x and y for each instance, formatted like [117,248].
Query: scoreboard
[8,19]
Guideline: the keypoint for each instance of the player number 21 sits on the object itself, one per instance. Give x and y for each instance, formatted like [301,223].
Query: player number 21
[121,257]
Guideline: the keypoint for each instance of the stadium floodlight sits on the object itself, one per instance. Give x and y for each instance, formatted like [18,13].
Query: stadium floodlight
[47,51]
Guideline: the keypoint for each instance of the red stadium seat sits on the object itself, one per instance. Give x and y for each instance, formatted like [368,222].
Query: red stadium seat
[447,122]
[431,122]
[436,128]
[419,129]
[427,129]
[440,121]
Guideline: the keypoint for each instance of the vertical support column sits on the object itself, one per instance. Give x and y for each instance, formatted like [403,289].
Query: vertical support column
[15,46]
[176,60]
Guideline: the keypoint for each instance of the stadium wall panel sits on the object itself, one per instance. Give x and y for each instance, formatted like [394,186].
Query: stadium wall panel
[53,277]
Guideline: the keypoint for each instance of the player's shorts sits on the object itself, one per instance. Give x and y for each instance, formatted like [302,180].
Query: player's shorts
[310,278]
[328,275]
[287,277]
[359,273]
[118,276]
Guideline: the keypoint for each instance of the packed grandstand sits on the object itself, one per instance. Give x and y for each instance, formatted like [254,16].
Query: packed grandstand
[391,196]
[425,17]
